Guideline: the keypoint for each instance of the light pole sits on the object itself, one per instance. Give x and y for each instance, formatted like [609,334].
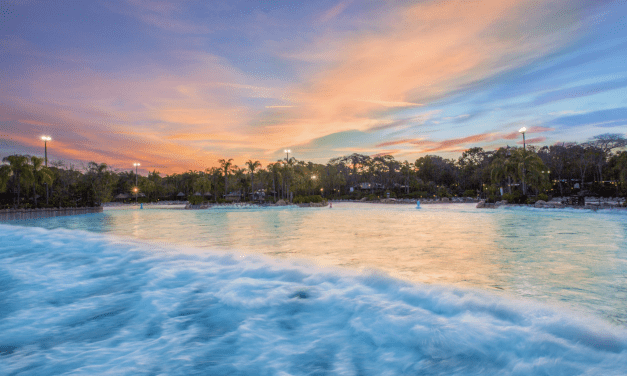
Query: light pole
[46,139]
[313,178]
[287,161]
[523,130]
[136,165]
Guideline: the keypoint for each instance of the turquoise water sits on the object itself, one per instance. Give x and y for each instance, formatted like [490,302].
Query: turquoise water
[359,289]
[574,259]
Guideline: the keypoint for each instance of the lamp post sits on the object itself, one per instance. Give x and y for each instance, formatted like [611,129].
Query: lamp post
[136,165]
[523,130]
[46,139]
[287,161]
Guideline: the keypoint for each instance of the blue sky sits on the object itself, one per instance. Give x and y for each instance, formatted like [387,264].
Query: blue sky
[175,85]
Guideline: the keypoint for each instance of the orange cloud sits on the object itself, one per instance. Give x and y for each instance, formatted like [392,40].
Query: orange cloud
[416,54]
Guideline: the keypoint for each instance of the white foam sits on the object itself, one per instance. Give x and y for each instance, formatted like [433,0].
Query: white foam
[80,303]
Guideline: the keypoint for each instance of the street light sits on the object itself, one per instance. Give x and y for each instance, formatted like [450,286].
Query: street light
[46,139]
[136,165]
[287,151]
[523,130]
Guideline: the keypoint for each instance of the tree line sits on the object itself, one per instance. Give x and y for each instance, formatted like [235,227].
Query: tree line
[595,167]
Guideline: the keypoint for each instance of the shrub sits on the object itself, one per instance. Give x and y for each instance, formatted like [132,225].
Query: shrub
[196,200]
[515,197]
[443,192]
[492,199]
[308,199]
[543,197]
[469,193]
[392,194]
[372,197]
[531,200]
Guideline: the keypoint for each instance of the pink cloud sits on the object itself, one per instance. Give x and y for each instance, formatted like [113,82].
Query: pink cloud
[535,140]
[398,142]
[335,11]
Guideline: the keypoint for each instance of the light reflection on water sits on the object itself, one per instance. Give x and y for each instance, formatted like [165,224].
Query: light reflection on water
[574,258]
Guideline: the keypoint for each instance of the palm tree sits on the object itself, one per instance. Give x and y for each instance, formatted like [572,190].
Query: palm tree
[503,168]
[287,168]
[252,166]
[22,173]
[529,168]
[240,178]
[226,166]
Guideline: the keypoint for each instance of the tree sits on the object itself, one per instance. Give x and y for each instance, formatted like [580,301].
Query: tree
[503,168]
[5,175]
[202,185]
[252,166]
[40,174]
[608,142]
[226,167]
[21,172]
[474,167]
[100,180]
[530,168]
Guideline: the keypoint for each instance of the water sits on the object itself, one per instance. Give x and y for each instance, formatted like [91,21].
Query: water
[357,289]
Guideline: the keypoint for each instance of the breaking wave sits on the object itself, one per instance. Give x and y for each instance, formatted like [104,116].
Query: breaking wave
[81,303]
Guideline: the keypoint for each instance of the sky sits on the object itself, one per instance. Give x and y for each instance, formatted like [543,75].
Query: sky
[178,84]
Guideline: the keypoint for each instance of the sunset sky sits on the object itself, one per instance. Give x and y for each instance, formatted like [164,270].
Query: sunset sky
[176,85]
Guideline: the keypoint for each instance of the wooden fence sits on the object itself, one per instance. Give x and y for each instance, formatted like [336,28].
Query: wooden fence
[25,214]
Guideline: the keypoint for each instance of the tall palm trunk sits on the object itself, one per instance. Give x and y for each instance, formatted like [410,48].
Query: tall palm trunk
[35,193]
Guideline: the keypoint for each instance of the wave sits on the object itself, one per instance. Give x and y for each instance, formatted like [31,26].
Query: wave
[81,303]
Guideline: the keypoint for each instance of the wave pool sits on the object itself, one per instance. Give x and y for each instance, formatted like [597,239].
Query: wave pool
[354,290]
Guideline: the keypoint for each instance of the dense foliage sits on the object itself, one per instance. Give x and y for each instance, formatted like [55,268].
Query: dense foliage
[596,167]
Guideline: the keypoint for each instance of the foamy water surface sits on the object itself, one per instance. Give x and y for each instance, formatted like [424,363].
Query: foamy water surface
[357,290]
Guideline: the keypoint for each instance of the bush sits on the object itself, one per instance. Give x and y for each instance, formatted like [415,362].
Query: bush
[531,200]
[492,199]
[308,199]
[470,193]
[543,197]
[392,194]
[443,192]
[196,200]
[372,197]
[515,198]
